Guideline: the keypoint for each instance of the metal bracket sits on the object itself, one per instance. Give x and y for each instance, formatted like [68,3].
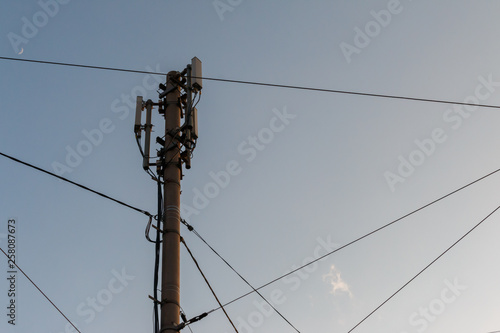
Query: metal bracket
[169,180]
[166,231]
[172,328]
[154,299]
[155,227]
[166,301]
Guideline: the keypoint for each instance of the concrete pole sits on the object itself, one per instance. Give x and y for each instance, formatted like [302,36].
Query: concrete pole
[170,273]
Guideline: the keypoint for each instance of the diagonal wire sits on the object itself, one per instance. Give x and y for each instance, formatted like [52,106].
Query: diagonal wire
[76,184]
[364,236]
[240,82]
[34,284]
[293,271]
[192,229]
[188,326]
[208,284]
[418,99]
[425,268]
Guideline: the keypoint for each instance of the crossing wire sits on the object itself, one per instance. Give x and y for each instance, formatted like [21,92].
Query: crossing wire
[193,230]
[208,284]
[297,269]
[268,85]
[362,237]
[424,269]
[159,219]
[346,92]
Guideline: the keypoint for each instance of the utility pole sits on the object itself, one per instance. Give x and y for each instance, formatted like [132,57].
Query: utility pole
[170,285]
[176,149]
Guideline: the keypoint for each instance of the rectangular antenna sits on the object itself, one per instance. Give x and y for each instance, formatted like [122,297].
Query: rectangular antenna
[138,114]
[196,73]
[193,121]
[147,130]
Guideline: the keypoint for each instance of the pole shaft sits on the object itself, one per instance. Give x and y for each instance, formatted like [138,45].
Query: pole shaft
[170,286]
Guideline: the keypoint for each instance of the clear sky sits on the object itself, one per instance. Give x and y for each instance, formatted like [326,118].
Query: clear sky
[316,170]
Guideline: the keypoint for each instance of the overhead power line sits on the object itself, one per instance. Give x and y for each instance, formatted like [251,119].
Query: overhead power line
[208,284]
[299,268]
[425,268]
[363,237]
[41,292]
[346,92]
[295,270]
[192,229]
[76,184]
[81,66]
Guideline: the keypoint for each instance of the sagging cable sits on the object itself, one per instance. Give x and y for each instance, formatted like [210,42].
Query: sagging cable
[191,228]
[209,286]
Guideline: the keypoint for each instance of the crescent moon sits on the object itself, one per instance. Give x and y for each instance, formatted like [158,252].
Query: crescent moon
[22,50]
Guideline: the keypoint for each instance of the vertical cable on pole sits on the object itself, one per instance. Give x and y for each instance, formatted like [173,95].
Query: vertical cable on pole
[157,259]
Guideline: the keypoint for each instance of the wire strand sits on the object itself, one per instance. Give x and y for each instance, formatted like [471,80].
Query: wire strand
[76,184]
[248,83]
[295,270]
[192,229]
[41,292]
[188,326]
[81,66]
[364,236]
[425,268]
[208,284]
[418,99]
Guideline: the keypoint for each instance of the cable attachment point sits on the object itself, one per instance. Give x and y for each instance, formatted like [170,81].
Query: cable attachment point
[189,226]
[183,316]
[154,299]
[190,321]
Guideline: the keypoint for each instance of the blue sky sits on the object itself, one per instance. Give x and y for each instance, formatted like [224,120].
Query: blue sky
[334,167]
